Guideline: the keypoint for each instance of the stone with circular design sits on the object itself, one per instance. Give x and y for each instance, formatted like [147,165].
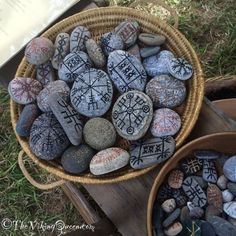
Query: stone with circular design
[166,91]
[180,68]
[230,169]
[39,50]
[72,65]
[24,90]
[175,179]
[47,137]
[132,114]
[165,122]
[92,92]
[126,71]
[45,73]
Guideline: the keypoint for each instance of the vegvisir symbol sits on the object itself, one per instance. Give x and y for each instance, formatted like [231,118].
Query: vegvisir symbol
[181,66]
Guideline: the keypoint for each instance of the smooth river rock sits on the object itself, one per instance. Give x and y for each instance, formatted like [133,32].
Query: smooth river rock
[230,209]
[173,229]
[222,182]
[230,169]
[206,154]
[214,196]
[171,218]
[207,229]
[168,205]
[227,196]
[149,51]
[151,39]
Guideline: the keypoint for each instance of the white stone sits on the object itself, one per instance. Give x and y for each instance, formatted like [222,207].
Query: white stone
[169,205]
[227,196]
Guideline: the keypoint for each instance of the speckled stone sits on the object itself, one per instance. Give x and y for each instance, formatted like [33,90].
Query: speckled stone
[191,165]
[73,65]
[24,90]
[206,154]
[78,38]
[214,196]
[230,209]
[173,229]
[165,122]
[45,73]
[126,71]
[152,39]
[166,91]
[149,51]
[92,92]
[134,50]
[229,169]
[99,133]
[76,159]
[39,50]
[175,179]
[132,114]
[171,218]
[222,182]
[209,173]
[232,188]
[227,196]
[169,205]
[47,137]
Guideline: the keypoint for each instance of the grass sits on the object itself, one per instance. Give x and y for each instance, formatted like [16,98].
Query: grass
[210,27]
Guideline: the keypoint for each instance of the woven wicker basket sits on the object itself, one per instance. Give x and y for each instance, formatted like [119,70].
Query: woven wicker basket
[102,20]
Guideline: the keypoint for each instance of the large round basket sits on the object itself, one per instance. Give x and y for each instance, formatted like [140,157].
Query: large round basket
[102,20]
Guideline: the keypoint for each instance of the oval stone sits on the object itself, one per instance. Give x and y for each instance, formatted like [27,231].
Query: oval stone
[175,179]
[206,154]
[222,182]
[47,137]
[230,209]
[92,92]
[169,205]
[126,71]
[173,229]
[214,196]
[166,91]
[149,51]
[232,188]
[148,152]
[132,114]
[209,171]
[165,122]
[24,90]
[230,169]
[45,73]
[73,65]
[227,196]
[39,50]
[109,160]
[152,39]
[171,218]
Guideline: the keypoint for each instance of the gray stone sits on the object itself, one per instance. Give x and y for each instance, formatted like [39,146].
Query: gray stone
[232,221]
[230,209]
[171,218]
[165,122]
[69,119]
[175,179]
[132,114]
[214,196]
[184,216]
[92,92]
[211,211]
[207,229]
[209,171]
[149,51]
[47,137]
[148,152]
[173,229]
[39,50]
[99,133]
[230,169]
[169,205]
[126,71]
[152,39]
[109,160]
[200,181]
[73,65]
[222,182]
[166,91]
[76,159]
[195,212]
[191,165]
[227,196]
[206,154]
[134,50]
[45,73]
[232,188]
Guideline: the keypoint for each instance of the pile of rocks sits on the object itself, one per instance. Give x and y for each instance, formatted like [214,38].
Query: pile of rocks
[79,82]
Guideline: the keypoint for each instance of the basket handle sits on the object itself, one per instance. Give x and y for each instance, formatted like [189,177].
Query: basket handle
[33,181]
[172,11]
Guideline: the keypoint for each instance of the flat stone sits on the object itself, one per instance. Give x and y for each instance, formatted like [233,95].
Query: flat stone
[165,122]
[207,229]
[206,154]
[126,71]
[62,48]
[76,159]
[39,50]
[109,160]
[134,50]
[191,228]
[148,152]
[132,114]
[149,51]
[29,113]
[175,179]
[200,181]
[152,39]
[166,91]
[232,188]
[222,182]
[191,165]
[173,229]
[171,218]
[24,90]
[57,86]
[91,93]
[209,171]
[180,68]
[194,192]
[211,211]
[73,65]
[99,133]
[169,205]
[227,196]
[95,53]
[47,137]
[45,73]
[69,119]
[230,169]
[230,209]
[195,212]
[214,196]
[78,38]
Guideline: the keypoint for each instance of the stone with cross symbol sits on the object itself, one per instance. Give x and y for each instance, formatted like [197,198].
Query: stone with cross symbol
[45,73]
[209,172]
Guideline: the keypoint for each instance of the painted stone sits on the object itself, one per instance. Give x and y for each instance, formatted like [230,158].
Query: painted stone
[180,68]
[191,228]
[222,182]
[230,209]
[232,188]
[157,217]
[195,212]
[200,181]
[214,196]
[157,64]
[91,93]
[126,71]
[109,160]
[175,179]
[73,65]
[171,218]
[169,205]
[211,211]
[207,229]
[69,119]
[45,73]
[209,171]
[132,115]
[230,169]
[62,48]
[151,39]
[24,90]
[227,196]
[151,151]
[191,165]
[194,192]
[99,133]
[47,138]
[179,197]
[149,51]
[78,38]
[29,113]
[134,50]
[57,86]
[165,122]
[166,91]
[128,30]
[95,53]
[173,229]
[76,159]
[39,50]
[206,154]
